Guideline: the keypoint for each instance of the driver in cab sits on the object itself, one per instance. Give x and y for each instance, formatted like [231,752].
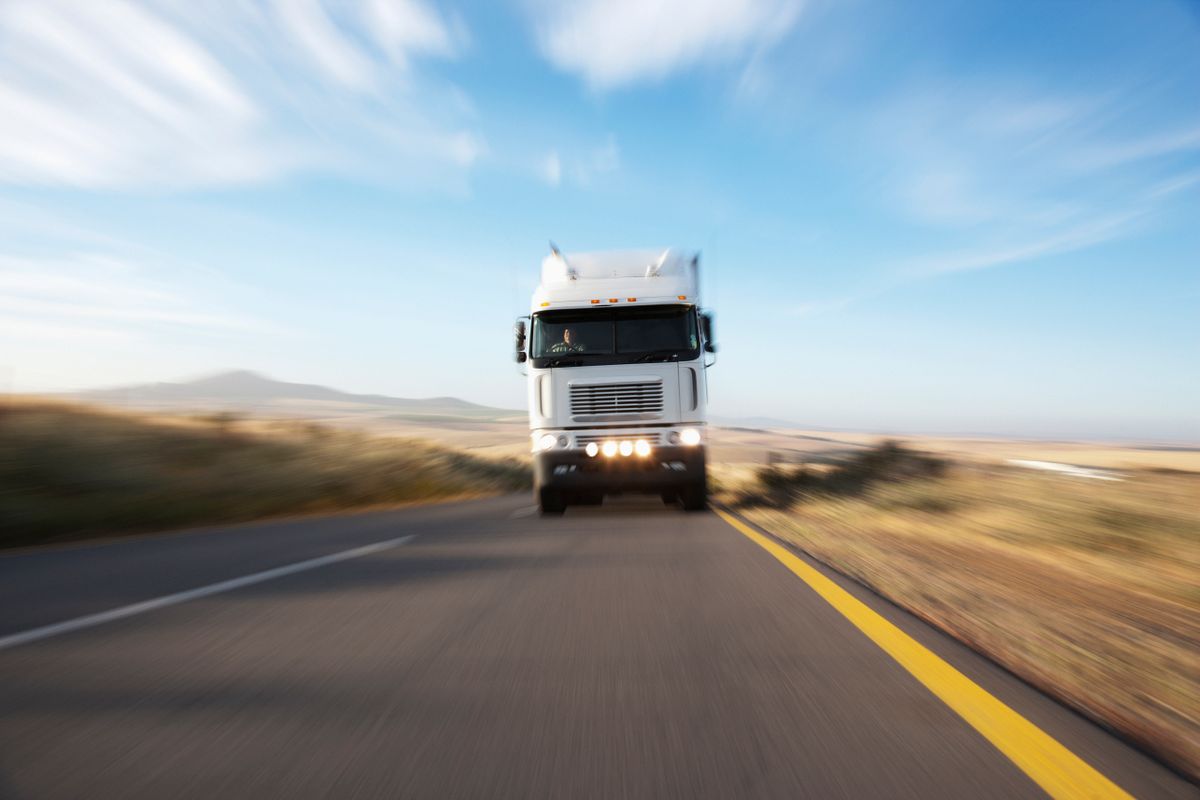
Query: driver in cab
[568,344]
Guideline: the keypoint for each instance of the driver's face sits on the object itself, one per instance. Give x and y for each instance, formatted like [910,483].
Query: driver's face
[567,335]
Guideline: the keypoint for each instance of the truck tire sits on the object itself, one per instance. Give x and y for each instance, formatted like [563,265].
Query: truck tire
[551,503]
[695,497]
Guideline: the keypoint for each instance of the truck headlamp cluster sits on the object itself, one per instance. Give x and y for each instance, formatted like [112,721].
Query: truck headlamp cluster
[626,448]
[548,441]
[689,437]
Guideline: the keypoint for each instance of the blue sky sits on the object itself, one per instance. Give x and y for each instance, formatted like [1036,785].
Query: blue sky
[946,217]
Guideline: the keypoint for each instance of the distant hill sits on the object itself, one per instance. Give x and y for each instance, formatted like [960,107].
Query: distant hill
[753,422]
[242,390]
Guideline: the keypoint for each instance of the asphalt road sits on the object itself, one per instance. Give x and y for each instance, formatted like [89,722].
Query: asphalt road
[624,651]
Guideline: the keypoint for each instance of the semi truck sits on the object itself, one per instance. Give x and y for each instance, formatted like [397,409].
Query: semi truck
[616,349]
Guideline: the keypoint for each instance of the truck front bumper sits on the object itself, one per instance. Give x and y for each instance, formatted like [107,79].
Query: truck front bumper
[666,468]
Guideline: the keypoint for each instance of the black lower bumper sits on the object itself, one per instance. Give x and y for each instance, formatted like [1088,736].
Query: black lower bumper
[664,469]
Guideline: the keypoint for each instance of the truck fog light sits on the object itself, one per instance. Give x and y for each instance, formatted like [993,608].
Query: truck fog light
[626,448]
[563,441]
[690,437]
[592,449]
[641,447]
[546,442]
[673,437]
[609,448]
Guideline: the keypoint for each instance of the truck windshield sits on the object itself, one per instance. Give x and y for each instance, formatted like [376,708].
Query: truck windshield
[615,336]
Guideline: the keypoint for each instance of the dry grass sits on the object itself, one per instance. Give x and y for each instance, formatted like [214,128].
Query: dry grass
[72,471]
[1089,589]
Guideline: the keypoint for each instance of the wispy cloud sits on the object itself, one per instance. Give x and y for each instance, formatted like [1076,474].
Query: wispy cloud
[1027,248]
[581,168]
[52,297]
[119,94]
[1176,183]
[1076,237]
[613,43]
[1104,155]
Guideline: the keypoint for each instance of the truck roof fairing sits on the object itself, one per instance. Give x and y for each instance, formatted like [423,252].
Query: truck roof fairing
[581,280]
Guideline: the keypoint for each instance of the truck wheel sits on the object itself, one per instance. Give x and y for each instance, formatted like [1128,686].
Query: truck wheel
[551,502]
[695,497]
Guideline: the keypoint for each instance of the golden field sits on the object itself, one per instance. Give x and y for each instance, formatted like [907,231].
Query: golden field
[1089,589]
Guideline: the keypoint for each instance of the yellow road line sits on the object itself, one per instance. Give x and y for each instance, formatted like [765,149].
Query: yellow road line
[1056,769]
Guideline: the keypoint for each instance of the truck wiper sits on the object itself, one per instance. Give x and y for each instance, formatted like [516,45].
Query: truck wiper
[565,362]
[665,355]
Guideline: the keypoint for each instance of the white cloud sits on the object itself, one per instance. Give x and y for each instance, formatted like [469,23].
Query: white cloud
[322,41]
[551,169]
[613,43]
[164,93]
[404,27]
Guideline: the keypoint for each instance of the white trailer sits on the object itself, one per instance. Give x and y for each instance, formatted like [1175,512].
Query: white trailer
[617,347]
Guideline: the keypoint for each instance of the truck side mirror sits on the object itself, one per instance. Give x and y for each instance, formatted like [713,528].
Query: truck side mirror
[519,333]
[706,330]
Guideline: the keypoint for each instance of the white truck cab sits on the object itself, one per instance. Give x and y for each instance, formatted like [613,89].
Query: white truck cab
[617,347]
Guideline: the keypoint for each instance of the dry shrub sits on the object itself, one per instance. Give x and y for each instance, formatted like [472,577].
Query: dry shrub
[889,462]
[70,471]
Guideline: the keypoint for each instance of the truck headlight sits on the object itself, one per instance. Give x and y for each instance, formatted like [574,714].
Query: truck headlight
[609,448]
[546,442]
[642,448]
[626,448]
[592,449]
[689,437]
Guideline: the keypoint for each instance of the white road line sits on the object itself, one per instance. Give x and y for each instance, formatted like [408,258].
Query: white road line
[91,620]
[523,512]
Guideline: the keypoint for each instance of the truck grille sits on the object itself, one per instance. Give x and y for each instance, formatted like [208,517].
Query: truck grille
[617,400]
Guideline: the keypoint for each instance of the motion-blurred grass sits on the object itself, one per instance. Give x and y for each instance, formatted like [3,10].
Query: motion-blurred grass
[73,471]
[1088,589]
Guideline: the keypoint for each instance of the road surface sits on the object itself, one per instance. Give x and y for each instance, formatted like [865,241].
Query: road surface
[477,650]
